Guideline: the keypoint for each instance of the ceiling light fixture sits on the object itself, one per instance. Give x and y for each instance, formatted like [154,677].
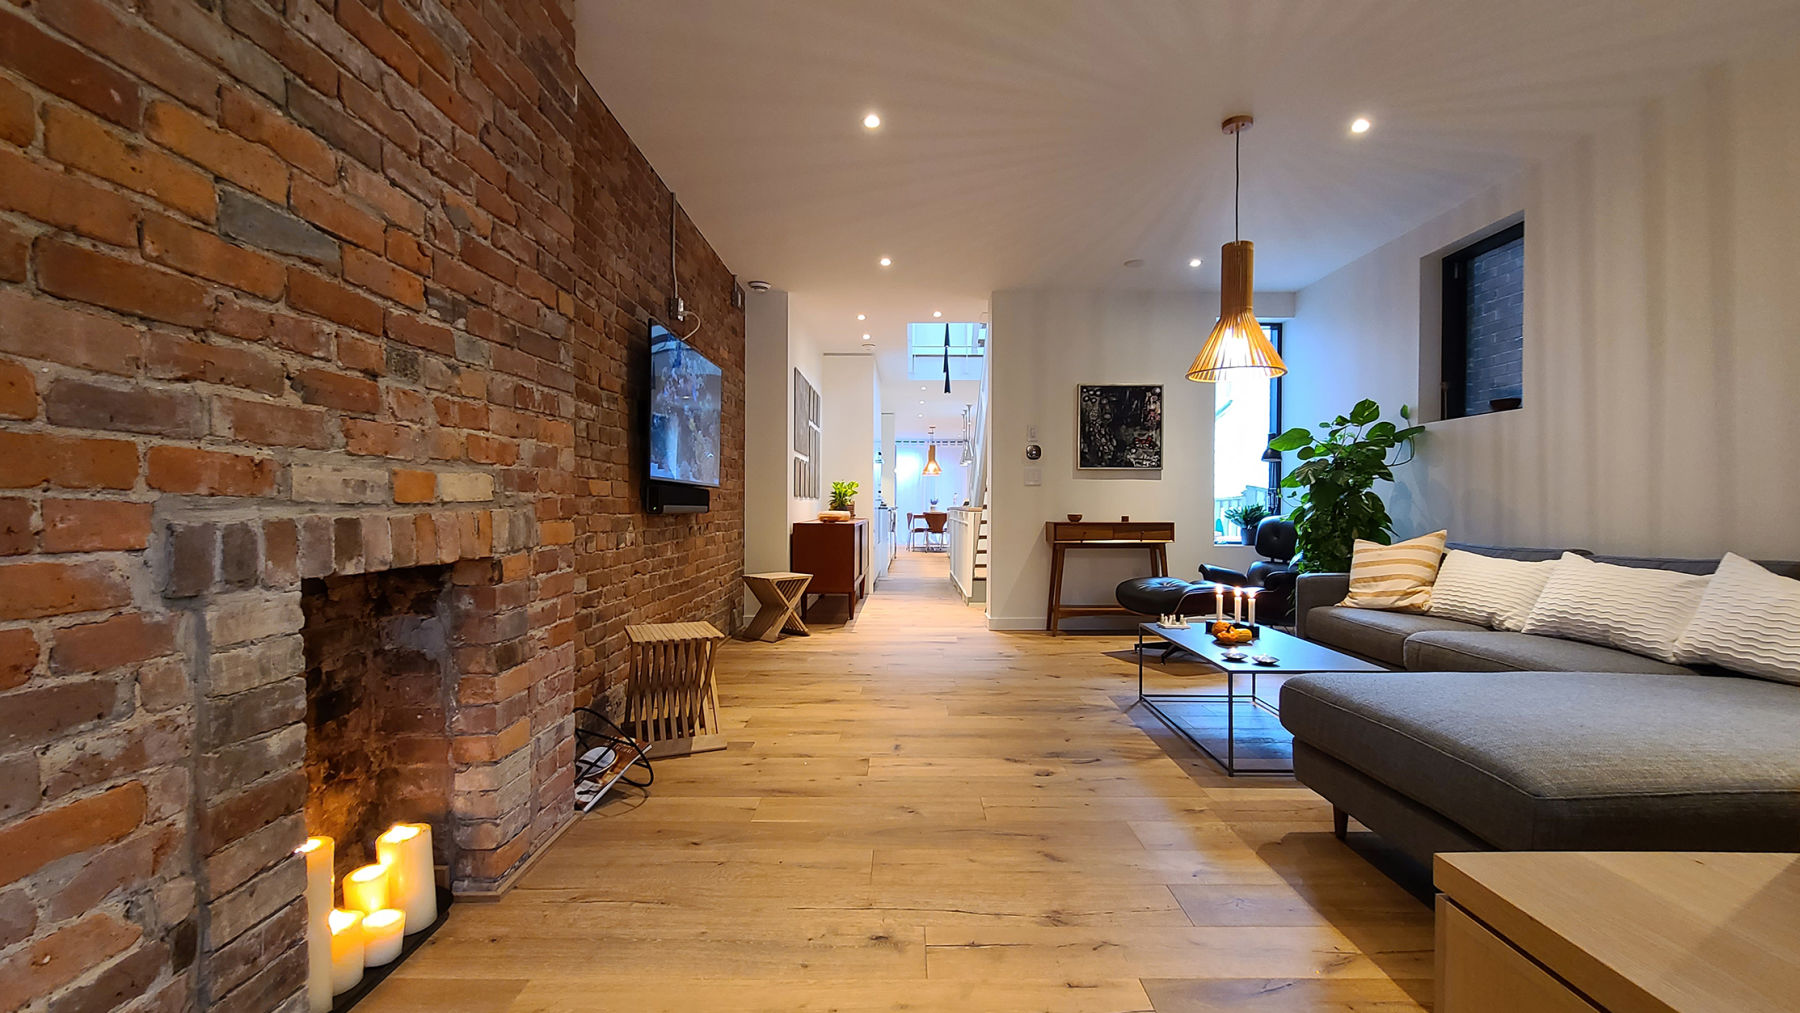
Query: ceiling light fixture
[1194,262]
[887,262]
[865,337]
[946,358]
[872,121]
[862,316]
[937,313]
[1360,125]
[1237,343]
[931,465]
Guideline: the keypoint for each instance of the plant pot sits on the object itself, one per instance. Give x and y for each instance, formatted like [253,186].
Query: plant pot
[1249,535]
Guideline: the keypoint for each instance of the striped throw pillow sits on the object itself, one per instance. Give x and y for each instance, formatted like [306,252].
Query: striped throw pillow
[1395,577]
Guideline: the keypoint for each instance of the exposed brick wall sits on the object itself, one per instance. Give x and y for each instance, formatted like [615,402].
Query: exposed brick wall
[291,288]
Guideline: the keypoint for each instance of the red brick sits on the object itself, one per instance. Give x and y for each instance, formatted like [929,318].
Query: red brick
[42,329]
[195,251]
[254,21]
[209,473]
[404,249]
[377,275]
[18,392]
[82,143]
[15,252]
[75,272]
[59,199]
[122,640]
[275,425]
[18,533]
[197,28]
[109,31]
[309,293]
[281,553]
[380,439]
[283,330]
[251,118]
[441,93]
[362,354]
[33,590]
[31,459]
[419,37]
[393,203]
[249,165]
[412,486]
[380,39]
[61,69]
[170,356]
[488,261]
[63,956]
[95,525]
[335,215]
[137,408]
[18,115]
[18,657]
[338,390]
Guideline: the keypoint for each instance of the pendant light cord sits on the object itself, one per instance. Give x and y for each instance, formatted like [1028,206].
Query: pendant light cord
[1237,179]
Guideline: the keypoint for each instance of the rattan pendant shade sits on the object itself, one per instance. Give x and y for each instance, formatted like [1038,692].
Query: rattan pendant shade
[932,467]
[1237,341]
[1237,344]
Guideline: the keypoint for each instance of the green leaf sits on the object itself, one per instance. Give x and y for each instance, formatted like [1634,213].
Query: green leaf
[1365,412]
[1381,432]
[1293,439]
[1406,413]
[1406,434]
[1306,453]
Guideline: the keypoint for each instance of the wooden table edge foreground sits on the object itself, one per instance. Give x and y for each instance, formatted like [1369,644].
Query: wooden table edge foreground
[1635,931]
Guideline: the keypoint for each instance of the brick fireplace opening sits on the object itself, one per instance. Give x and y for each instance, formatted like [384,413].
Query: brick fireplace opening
[379,689]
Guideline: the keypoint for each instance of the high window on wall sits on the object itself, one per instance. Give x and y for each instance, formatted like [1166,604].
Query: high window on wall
[1246,412]
[1484,325]
[925,350]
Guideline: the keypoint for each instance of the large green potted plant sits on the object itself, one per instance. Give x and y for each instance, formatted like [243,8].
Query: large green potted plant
[1337,473]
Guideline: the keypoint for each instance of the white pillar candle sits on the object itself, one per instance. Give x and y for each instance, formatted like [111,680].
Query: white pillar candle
[1251,594]
[382,932]
[346,950]
[366,889]
[317,851]
[1237,605]
[412,881]
[1218,601]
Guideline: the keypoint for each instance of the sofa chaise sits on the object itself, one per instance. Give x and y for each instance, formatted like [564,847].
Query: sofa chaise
[1488,740]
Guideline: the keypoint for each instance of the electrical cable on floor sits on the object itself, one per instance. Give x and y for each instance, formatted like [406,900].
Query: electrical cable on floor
[604,758]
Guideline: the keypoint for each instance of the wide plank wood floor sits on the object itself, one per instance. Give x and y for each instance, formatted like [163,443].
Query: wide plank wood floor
[918,814]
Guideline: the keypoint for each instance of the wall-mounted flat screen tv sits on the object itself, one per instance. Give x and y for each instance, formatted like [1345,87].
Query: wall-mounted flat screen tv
[686,402]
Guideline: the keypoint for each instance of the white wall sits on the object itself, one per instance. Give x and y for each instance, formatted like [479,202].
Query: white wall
[1662,337]
[1042,345]
[851,432]
[774,346]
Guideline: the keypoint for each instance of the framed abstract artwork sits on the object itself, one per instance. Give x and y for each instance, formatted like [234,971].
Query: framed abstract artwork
[1121,426]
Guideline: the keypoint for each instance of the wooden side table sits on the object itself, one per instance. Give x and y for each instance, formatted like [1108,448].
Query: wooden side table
[1152,536]
[1618,932]
[671,704]
[778,597]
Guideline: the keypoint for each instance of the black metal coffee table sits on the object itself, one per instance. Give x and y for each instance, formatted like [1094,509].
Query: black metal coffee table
[1294,657]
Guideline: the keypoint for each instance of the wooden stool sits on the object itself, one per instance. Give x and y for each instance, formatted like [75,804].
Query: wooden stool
[670,703]
[778,596]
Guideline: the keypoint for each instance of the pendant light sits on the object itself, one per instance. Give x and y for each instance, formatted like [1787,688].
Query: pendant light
[931,465]
[1237,342]
[946,358]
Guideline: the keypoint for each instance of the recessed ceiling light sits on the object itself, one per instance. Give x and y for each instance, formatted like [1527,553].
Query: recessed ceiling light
[1360,125]
[865,337]
[921,414]
[1193,261]
[937,313]
[862,316]
[872,121]
[886,262]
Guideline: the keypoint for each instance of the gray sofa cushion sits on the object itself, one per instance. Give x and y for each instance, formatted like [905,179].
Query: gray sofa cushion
[1496,651]
[1373,634]
[1780,567]
[1526,555]
[1570,760]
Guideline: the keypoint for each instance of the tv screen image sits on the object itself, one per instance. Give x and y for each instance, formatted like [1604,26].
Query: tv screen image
[686,399]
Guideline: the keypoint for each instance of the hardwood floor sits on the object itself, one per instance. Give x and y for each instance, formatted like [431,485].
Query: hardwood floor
[918,814]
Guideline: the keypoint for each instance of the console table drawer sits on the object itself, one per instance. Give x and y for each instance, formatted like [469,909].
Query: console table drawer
[1479,972]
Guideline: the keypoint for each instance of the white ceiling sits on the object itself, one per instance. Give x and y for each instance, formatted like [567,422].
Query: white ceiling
[1044,142]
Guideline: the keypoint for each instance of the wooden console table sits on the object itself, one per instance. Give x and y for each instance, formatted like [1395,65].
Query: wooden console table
[1618,932]
[1153,536]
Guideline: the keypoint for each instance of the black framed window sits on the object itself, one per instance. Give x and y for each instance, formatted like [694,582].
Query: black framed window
[1484,325]
[1246,410]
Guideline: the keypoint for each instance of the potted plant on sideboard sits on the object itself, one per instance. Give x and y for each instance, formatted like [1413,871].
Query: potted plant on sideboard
[843,502]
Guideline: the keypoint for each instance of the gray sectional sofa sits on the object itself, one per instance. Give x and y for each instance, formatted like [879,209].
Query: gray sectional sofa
[1487,740]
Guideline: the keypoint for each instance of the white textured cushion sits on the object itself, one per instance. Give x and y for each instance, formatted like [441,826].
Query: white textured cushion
[1394,577]
[1748,621]
[1631,608]
[1488,591]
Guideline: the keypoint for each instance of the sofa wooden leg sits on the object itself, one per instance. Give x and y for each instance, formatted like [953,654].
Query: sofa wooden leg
[1340,823]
